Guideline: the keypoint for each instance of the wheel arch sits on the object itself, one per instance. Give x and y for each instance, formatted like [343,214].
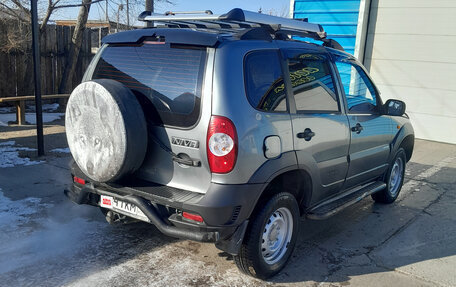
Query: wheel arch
[407,144]
[295,181]
[404,138]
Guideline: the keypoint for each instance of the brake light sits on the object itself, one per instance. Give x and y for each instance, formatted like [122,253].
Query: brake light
[79,180]
[194,217]
[154,43]
[221,145]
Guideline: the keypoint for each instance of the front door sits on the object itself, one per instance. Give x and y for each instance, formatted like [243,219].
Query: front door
[370,130]
[320,130]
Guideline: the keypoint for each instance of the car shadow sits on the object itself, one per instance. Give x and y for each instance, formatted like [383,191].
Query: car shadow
[58,242]
[369,238]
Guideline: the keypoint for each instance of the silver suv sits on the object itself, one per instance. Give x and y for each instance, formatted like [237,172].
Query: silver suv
[225,129]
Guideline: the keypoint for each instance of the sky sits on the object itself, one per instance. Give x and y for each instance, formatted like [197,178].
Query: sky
[277,7]
[219,7]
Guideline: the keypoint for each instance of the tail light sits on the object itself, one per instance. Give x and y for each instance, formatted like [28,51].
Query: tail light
[191,216]
[221,145]
[79,180]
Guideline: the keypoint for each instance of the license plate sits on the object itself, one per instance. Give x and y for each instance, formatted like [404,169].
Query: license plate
[122,207]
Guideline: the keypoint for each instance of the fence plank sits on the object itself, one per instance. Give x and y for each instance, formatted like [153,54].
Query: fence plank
[7,74]
[61,53]
[3,73]
[24,71]
[16,65]
[43,62]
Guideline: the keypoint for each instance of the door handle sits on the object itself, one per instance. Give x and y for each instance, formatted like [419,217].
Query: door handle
[358,128]
[307,134]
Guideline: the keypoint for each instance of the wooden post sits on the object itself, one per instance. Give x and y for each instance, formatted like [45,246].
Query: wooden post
[20,112]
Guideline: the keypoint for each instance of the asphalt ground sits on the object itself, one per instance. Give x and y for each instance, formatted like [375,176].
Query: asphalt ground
[48,241]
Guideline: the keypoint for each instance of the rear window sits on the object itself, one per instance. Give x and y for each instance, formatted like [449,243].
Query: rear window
[166,79]
[264,81]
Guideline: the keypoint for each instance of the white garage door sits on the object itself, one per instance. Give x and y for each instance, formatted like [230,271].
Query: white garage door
[411,55]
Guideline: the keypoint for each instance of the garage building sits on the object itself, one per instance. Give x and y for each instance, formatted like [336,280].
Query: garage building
[408,48]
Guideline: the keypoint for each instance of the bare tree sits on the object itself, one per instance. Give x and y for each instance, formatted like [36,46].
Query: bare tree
[76,43]
[16,9]
[146,5]
[20,9]
[283,11]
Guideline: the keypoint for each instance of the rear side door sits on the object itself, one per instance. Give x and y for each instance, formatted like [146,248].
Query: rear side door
[370,130]
[320,129]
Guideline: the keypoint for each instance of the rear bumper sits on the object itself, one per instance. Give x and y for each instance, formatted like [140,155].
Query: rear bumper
[82,196]
[225,209]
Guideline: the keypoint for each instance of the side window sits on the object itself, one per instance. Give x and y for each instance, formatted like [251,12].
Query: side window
[312,82]
[264,81]
[359,91]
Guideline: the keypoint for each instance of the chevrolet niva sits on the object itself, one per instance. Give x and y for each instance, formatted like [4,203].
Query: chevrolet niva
[227,129]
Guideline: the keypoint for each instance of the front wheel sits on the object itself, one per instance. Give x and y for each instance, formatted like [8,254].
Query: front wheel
[394,179]
[270,238]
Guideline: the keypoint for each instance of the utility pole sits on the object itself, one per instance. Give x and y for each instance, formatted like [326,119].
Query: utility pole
[150,8]
[120,8]
[37,77]
[128,16]
[106,12]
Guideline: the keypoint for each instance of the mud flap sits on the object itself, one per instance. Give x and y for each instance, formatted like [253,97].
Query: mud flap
[78,196]
[233,243]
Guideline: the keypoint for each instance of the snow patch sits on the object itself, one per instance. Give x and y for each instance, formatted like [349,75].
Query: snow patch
[24,244]
[13,212]
[61,150]
[45,107]
[4,110]
[9,155]
[7,143]
[29,117]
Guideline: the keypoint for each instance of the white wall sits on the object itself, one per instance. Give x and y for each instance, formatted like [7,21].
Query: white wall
[411,54]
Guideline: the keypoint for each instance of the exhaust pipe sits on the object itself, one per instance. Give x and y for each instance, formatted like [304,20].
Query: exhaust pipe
[117,218]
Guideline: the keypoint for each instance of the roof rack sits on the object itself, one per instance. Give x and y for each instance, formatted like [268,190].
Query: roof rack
[236,19]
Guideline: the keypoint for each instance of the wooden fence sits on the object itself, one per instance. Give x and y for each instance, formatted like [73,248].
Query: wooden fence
[16,63]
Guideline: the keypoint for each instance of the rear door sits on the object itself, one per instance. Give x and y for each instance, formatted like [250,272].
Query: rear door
[370,130]
[320,129]
[173,85]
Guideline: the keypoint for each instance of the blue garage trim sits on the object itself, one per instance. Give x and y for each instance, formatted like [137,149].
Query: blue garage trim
[339,18]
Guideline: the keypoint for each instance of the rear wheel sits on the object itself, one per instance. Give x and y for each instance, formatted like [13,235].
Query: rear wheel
[271,237]
[394,179]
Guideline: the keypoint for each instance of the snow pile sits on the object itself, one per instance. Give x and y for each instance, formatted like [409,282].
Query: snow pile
[4,110]
[29,117]
[9,155]
[61,150]
[45,107]
[15,212]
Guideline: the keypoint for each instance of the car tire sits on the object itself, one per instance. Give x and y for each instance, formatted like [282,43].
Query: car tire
[106,130]
[394,179]
[270,237]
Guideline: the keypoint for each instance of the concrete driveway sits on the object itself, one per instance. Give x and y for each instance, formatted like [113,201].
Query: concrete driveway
[48,241]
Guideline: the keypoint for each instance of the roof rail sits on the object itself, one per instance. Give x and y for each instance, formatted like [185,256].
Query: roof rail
[234,20]
[189,12]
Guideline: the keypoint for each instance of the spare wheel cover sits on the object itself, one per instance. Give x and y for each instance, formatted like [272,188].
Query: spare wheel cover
[106,130]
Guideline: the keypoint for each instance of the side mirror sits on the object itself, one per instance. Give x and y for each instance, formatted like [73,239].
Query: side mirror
[394,108]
